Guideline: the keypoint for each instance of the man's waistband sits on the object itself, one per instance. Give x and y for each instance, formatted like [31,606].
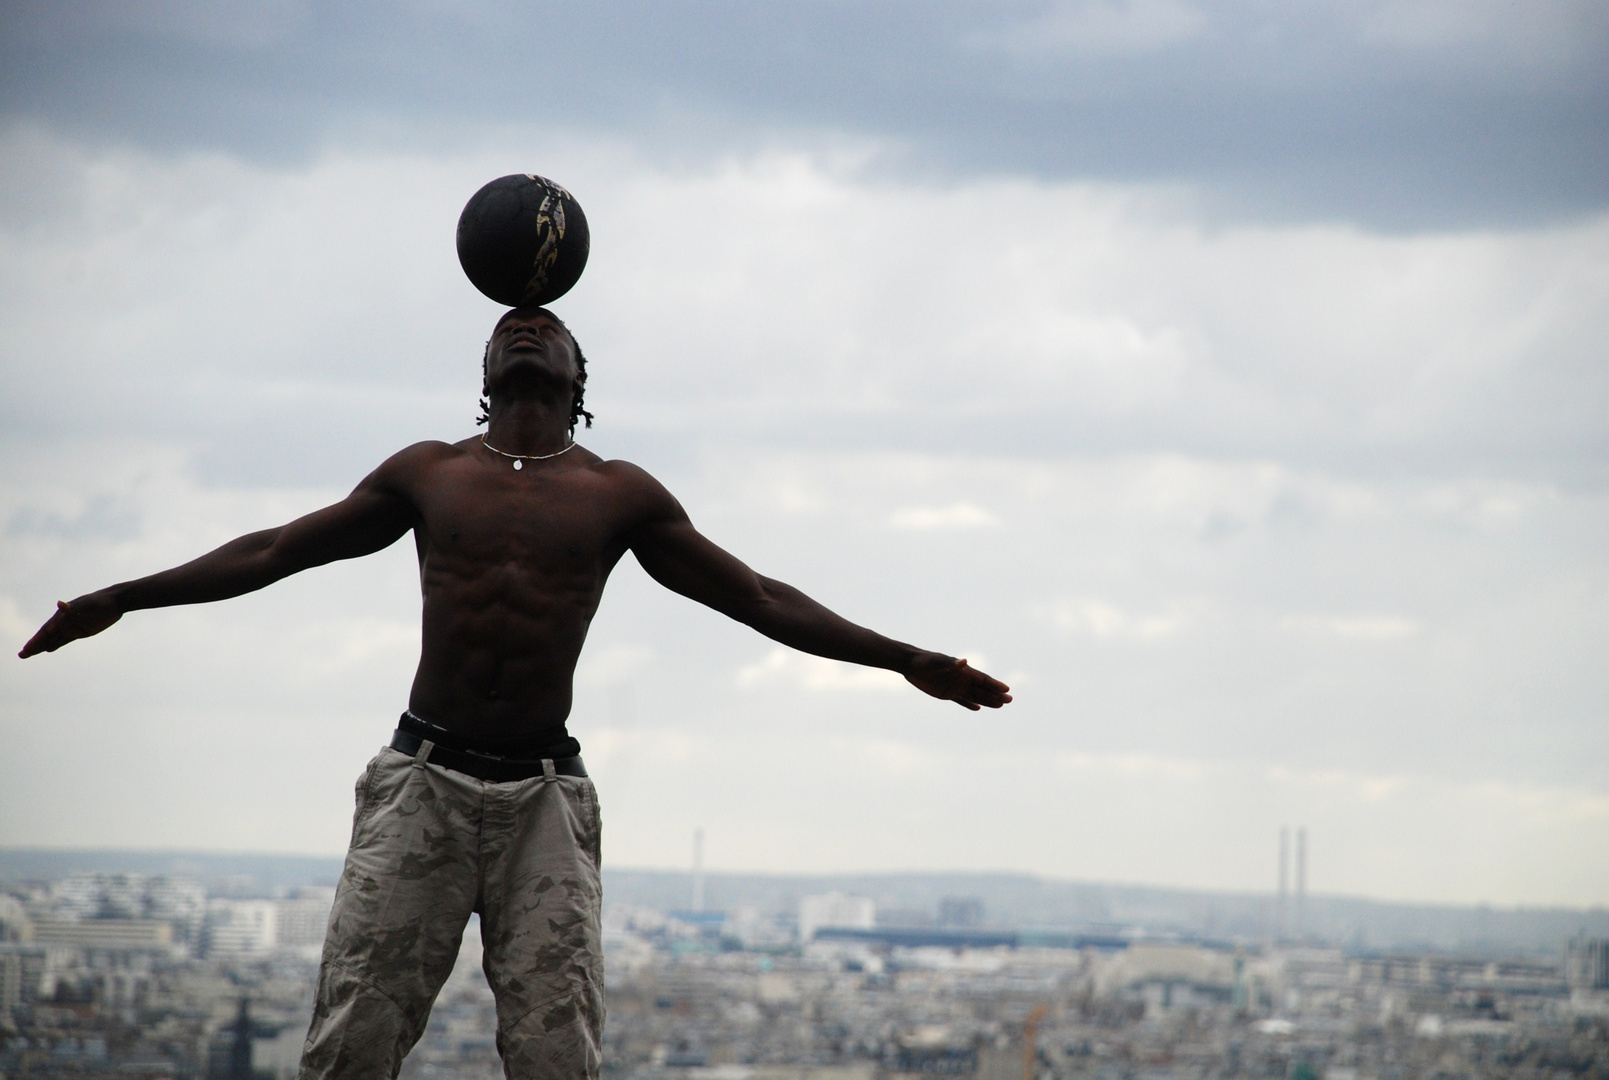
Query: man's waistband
[500,765]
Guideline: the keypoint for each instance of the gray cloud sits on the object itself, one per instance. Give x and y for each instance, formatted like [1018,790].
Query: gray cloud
[104,518]
[1267,521]
[295,325]
[1416,114]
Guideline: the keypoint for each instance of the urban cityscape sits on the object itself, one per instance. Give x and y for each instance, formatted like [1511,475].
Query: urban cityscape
[141,975]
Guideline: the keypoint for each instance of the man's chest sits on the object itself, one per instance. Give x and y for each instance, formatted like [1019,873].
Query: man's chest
[563,518]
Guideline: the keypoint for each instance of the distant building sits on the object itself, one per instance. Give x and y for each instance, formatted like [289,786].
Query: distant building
[101,896]
[904,918]
[22,968]
[965,912]
[1169,967]
[302,919]
[837,910]
[1586,964]
[14,922]
[708,924]
[78,896]
[240,927]
[108,935]
[755,930]
[254,927]
[180,902]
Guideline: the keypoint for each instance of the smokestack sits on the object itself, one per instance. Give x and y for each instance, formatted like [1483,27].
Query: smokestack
[1301,881]
[1281,912]
[698,869]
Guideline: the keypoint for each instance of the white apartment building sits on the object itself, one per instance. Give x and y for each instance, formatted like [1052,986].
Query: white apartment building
[240,927]
[837,910]
[302,919]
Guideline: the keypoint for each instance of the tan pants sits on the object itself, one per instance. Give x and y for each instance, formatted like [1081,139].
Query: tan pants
[430,846]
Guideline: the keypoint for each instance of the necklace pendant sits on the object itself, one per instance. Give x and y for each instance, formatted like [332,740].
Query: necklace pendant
[518,464]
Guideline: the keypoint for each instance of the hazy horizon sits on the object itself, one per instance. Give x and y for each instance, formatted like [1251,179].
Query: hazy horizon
[335,858]
[912,900]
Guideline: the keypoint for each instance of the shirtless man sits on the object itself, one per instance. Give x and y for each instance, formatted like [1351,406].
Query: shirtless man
[481,803]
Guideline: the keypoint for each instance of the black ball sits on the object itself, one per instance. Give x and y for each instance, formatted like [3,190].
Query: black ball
[523,239]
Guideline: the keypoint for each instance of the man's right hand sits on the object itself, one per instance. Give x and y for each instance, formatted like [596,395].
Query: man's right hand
[81,618]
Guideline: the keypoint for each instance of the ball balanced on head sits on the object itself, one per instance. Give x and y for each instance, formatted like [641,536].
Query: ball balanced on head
[523,239]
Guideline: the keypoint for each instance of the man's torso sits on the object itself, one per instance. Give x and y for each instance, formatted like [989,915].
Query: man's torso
[512,566]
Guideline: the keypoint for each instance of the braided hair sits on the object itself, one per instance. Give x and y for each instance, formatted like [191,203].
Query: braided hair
[577,400]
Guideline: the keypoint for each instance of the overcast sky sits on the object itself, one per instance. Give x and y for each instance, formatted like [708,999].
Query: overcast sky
[1229,378]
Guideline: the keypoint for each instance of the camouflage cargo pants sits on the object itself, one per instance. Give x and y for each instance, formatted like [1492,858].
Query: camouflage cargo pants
[430,846]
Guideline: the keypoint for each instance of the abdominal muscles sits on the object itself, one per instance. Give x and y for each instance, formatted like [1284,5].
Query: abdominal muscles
[499,646]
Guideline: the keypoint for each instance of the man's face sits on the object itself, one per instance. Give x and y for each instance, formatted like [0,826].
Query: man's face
[528,344]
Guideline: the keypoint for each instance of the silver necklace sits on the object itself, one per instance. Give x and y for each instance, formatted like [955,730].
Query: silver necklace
[521,459]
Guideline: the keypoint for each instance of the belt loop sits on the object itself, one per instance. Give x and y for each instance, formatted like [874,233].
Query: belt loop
[547,770]
[419,759]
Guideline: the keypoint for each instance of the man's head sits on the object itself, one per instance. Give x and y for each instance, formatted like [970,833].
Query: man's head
[532,342]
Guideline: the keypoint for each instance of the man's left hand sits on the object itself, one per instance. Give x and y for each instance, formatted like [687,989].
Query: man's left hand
[955,680]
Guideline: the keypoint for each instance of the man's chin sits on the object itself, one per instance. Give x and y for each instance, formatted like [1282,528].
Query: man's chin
[523,364]
[523,375]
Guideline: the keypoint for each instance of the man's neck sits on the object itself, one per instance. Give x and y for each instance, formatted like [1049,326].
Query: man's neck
[528,426]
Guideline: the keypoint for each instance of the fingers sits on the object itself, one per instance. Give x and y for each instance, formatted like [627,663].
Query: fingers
[984,696]
[35,645]
[40,642]
[985,689]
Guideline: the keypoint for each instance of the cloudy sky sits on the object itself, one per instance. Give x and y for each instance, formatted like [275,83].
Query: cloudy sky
[1229,378]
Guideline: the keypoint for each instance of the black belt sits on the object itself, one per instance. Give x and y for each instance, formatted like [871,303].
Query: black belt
[498,770]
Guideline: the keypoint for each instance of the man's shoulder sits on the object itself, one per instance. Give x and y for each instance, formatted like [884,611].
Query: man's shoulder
[625,474]
[617,469]
[415,461]
[628,480]
[432,450]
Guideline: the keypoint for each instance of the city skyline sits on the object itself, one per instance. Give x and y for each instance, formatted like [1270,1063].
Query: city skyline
[126,974]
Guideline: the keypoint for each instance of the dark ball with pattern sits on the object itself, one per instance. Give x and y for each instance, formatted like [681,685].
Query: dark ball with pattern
[523,239]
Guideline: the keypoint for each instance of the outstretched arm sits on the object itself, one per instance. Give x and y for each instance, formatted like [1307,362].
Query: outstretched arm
[678,556]
[374,516]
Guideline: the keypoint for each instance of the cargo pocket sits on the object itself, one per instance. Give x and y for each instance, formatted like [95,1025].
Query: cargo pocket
[360,796]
